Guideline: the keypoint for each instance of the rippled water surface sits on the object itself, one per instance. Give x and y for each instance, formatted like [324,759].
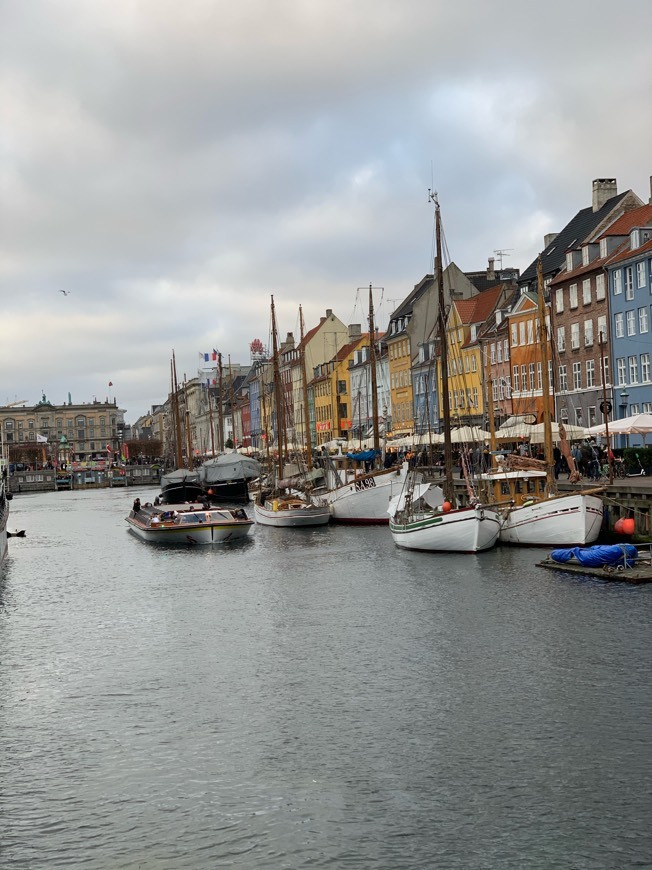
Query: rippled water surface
[312,699]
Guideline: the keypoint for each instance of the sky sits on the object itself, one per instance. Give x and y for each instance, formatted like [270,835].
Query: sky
[167,166]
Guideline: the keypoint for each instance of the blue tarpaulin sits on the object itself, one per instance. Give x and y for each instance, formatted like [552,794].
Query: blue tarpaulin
[601,554]
[363,456]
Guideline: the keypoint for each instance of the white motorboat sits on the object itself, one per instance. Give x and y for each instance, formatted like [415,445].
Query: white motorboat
[188,524]
[291,512]
[359,497]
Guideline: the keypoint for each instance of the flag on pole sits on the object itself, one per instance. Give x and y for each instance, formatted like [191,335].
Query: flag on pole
[214,354]
[109,449]
[41,439]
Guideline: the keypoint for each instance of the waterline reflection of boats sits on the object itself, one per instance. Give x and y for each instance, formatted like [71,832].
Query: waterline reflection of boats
[4,508]
[188,524]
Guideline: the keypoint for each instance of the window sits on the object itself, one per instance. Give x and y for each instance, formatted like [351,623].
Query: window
[514,335]
[569,261]
[619,323]
[523,378]
[561,338]
[521,332]
[588,333]
[499,351]
[599,287]
[577,375]
[495,391]
[563,378]
[633,369]
[578,416]
[474,363]
[515,374]
[531,373]
[475,397]
[559,300]
[493,354]
[590,373]
[591,415]
[572,295]
[586,256]
[602,328]
[634,239]
[631,322]
[586,291]
[645,367]
[642,319]
[640,274]
[564,416]
[618,282]
[539,375]
[575,335]
[621,366]
[634,408]
[603,248]
[647,407]
[629,282]
[467,363]
[506,344]
[530,332]
[605,365]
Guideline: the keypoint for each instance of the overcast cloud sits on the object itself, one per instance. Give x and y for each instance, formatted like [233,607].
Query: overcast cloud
[170,164]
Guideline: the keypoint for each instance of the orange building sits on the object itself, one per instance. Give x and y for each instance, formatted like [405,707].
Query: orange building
[525,357]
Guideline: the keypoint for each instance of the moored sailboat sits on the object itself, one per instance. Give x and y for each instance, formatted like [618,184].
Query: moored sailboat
[286,503]
[427,518]
[5,496]
[533,512]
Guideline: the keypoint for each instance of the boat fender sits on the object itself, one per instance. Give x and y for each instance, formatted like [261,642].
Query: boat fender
[481,513]
[528,503]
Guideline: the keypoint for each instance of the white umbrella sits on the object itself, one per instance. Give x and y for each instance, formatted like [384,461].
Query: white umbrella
[513,433]
[469,435]
[573,433]
[637,424]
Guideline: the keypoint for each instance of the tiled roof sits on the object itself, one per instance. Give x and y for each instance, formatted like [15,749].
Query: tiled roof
[626,253]
[346,349]
[637,217]
[584,222]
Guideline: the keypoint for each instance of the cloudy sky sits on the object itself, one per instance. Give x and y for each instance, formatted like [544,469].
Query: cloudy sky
[171,163]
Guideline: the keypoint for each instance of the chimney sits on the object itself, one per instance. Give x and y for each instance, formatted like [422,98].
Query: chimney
[355,331]
[288,344]
[603,189]
[491,272]
[329,312]
[548,239]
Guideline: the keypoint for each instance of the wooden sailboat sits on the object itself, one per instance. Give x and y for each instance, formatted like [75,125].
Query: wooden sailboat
[425,517]
[356,495]
[533,512]
[182,484]
[285,505]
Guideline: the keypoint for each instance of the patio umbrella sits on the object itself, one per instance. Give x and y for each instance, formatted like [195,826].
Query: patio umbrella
[469,435]
[573,433]
[637,424]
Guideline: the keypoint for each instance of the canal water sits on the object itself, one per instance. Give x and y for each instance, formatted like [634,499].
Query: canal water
[312,699]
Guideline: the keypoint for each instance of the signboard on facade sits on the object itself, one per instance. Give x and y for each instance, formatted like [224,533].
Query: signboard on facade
[323,426]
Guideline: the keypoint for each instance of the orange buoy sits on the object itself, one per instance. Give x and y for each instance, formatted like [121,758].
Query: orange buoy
[446,507]
[618,527]
[628,526]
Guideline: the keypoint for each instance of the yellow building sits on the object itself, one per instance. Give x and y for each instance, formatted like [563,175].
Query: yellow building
[466,318]
[331,391]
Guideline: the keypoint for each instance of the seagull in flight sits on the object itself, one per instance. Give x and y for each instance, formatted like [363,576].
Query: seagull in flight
[65,292]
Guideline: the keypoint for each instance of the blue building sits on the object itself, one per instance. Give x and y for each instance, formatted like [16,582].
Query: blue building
[629,272]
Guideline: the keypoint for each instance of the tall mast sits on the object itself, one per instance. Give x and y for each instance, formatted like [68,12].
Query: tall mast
[374,384]
[220,406]
[278,401]
[175,410]
[545,378]
[210,420]
[449,488]
[304,389]
[188,434]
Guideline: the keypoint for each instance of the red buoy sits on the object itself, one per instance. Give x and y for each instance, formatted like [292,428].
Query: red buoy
[618,527]
[628,526]
[446,507]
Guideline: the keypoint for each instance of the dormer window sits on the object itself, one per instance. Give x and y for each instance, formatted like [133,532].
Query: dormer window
[569,261]
[635,239]
[586,259]
[603,248]
[474,332]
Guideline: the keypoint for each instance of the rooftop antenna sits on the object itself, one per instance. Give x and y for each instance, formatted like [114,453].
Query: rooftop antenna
[503,252]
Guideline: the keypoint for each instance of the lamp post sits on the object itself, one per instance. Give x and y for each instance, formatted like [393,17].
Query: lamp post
[624,397]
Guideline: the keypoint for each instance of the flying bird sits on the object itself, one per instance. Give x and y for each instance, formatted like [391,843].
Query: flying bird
[65,292]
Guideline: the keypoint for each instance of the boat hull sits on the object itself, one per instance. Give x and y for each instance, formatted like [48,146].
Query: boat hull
[570,520]
[365,500]
[297,517]
[468,530]
[191,526]
[227,492]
